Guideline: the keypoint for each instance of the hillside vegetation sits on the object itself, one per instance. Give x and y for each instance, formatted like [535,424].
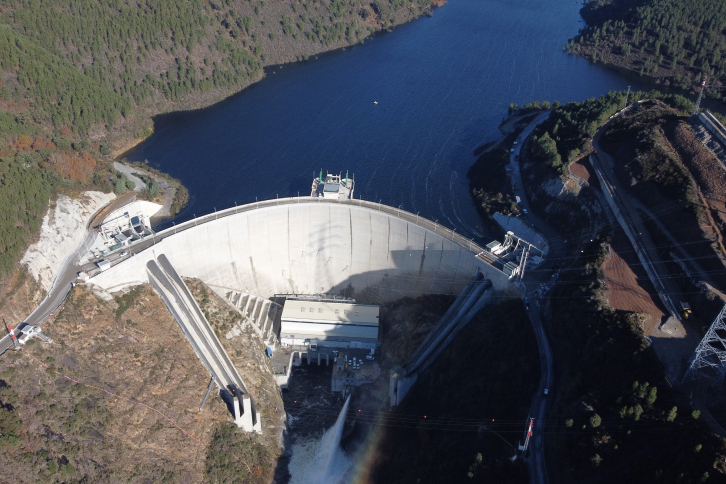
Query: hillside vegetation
[677,41]
[612,406]
[615,417]
[567,133]
[59,429]
[659,158]
[80,78]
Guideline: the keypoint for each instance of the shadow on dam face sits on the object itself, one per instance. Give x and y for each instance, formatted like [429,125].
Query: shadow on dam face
[313,247]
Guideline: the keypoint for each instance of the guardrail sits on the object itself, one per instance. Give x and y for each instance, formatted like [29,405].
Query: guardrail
[399,213]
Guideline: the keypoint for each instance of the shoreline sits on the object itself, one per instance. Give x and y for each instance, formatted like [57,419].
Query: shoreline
[128,144]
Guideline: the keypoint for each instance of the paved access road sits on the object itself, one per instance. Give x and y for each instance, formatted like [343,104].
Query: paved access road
[67,273]
[536,460]
[532,280]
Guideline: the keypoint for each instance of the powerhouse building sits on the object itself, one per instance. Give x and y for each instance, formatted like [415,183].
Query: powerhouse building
[329,324]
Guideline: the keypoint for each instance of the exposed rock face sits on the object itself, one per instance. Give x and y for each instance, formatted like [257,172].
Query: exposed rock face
[63,230]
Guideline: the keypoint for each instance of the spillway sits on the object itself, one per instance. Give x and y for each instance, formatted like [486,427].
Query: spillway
[308,245]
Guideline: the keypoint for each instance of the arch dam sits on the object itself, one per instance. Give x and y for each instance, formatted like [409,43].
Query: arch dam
[307,245]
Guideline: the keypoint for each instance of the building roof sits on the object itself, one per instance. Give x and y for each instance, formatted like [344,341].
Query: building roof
[332,187]
[326,312]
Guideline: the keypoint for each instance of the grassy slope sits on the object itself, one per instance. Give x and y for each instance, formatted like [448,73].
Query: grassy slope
[132,347]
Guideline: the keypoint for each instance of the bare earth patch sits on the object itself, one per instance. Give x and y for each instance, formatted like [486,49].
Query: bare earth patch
[63,230]
[627,291]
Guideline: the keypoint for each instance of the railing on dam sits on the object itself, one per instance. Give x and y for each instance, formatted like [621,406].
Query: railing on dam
[402,214]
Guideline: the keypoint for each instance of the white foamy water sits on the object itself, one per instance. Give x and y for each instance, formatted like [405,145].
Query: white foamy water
[321,461]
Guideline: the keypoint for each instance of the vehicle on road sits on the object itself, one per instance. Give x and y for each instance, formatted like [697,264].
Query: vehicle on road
[686,308]
[123,254]
[519,200]
[525,211]
[547,391]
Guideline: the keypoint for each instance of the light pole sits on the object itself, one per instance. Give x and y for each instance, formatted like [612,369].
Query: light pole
[215,213]
[195,219]
[174,227]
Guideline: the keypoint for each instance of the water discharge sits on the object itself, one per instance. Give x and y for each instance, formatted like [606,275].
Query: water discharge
[321,461]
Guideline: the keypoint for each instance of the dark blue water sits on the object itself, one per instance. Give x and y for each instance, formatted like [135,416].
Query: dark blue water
[443,85]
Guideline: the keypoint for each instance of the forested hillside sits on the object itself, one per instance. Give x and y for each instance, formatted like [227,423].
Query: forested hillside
[81,78]
[677,41]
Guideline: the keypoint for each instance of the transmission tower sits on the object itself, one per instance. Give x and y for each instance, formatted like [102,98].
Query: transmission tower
[700,96]
[709,360]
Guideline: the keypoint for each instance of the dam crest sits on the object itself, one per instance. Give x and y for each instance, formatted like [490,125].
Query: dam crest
[309,245]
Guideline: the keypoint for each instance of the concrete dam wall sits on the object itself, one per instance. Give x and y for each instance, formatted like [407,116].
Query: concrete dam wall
[368,251]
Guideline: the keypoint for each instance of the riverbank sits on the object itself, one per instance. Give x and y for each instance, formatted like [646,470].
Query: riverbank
[282,43]
[622,35]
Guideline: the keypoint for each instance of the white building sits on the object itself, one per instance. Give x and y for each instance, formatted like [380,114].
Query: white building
[329,324]
[104,265]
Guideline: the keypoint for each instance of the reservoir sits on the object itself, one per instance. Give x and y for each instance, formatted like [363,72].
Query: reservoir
[442,86]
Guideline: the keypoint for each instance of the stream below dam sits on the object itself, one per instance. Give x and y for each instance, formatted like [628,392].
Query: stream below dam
[442,86]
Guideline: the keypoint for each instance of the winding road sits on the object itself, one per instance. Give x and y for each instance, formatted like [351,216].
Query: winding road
[67,272]
[538,410]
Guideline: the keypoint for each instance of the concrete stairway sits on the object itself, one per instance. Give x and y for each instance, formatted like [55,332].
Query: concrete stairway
[259,313]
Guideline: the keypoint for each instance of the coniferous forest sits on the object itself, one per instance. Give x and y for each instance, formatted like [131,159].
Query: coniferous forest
[79,79]
[676,41]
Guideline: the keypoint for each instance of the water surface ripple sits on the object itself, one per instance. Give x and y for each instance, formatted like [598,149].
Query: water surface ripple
[442,84]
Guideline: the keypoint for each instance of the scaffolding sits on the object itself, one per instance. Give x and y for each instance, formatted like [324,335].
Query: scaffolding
[709,359]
